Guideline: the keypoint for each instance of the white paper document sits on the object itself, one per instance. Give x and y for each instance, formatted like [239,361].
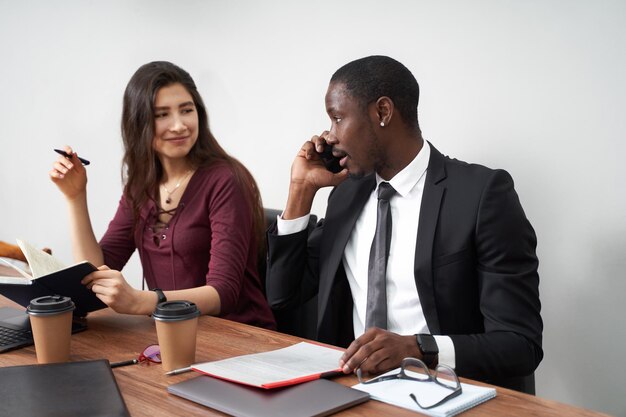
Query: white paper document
[277,368]
[396,392]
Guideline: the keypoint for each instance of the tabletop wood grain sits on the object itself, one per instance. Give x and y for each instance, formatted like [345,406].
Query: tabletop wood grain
[119,337]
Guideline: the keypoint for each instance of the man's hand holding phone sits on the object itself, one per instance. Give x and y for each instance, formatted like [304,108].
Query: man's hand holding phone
[309,173]
[319,154]
[330,161]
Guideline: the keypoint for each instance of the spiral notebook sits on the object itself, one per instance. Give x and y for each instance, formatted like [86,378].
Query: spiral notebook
[396,392]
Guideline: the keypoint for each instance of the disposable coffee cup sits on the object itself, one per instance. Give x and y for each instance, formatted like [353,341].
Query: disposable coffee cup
[176,325]
[51,324]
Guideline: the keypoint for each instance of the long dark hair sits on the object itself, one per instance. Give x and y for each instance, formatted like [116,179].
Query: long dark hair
[142,170]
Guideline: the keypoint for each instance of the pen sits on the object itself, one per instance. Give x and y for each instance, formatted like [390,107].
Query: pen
[179,371]
[65,154]
[124,363]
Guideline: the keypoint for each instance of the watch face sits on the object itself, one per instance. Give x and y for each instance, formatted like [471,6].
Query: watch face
[427,343]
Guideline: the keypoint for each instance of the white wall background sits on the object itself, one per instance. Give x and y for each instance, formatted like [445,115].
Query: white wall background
[536,87]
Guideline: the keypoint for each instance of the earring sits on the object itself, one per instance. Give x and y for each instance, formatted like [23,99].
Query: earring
[382,124]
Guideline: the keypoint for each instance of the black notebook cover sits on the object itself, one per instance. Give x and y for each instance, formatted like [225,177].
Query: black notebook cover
[86,388]
[315,398]
[64,282]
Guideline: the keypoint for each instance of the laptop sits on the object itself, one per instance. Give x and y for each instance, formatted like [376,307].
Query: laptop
[15,329]
[316,398]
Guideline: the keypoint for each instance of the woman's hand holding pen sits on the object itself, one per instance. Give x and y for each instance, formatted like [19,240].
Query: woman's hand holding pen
[69,174]
[70,177]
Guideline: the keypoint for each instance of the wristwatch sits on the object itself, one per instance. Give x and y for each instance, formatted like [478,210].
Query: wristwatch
[428,346]
[161,297]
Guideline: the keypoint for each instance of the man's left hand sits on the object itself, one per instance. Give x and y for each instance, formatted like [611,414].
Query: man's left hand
[378,351]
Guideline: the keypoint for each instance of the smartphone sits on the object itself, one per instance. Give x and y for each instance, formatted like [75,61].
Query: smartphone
[330,162]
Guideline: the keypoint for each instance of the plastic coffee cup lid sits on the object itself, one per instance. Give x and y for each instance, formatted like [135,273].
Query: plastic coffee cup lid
[49,305]
[175,311]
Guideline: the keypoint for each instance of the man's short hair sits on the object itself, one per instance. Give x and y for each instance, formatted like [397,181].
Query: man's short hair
[367,79]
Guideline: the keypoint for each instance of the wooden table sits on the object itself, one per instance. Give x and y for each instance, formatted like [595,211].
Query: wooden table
[118,337]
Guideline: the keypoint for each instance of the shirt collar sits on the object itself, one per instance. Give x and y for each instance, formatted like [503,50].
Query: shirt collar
[404,181]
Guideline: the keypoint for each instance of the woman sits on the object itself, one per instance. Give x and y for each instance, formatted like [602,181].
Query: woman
[193,212]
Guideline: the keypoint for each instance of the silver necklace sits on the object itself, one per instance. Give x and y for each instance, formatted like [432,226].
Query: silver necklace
[168,200]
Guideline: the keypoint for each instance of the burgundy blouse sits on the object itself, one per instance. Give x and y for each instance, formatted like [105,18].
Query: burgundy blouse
[208,241]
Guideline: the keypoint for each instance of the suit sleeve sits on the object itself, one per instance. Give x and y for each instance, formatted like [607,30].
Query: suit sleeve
[508,285]
[292,267]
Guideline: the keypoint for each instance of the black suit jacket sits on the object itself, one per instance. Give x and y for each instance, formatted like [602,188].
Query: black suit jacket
[475,269]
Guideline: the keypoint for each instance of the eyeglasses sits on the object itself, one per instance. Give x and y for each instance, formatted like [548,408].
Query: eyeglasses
[151,353]
[413,369]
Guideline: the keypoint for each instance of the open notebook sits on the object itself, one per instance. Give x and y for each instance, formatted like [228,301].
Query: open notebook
[397,392]
[48,276]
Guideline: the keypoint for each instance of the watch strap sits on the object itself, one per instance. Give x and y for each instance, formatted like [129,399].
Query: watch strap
[161,298]
[427,345]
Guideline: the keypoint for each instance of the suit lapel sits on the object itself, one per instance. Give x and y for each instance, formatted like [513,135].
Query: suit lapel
[344,207]
[429,214]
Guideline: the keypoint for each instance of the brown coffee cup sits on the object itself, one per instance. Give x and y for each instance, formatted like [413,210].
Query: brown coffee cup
[51,324]
[176,325]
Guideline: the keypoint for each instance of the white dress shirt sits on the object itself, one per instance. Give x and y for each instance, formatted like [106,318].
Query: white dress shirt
[404,309]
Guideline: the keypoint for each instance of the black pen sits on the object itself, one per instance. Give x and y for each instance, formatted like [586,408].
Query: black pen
[124,363]
[65,154]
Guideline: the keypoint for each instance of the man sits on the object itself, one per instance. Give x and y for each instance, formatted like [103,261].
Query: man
[460,282]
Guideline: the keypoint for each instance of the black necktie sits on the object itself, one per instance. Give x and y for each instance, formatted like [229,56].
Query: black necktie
[376,313]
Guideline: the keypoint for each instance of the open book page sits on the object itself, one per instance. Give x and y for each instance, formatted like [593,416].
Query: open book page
[41,263]
[297,363]
[396,392]
[13,271]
